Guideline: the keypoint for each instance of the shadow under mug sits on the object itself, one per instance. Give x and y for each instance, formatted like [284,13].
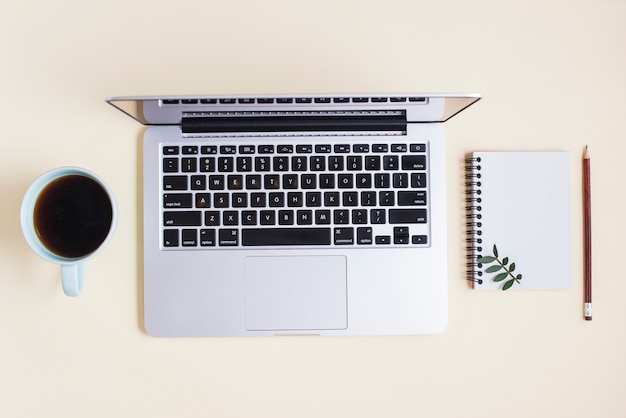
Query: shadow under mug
[69,215]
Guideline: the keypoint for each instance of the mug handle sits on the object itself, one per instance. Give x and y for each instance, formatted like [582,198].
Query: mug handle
[73,278]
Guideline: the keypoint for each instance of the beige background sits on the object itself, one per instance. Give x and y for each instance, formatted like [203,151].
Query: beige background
[552,74]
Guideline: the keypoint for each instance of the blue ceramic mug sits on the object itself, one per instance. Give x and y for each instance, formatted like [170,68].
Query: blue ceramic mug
[69,215]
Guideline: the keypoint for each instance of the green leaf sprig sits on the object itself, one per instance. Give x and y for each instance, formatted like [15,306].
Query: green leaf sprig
[501,265]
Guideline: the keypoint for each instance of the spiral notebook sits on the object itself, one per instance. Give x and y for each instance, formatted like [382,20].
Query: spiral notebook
[519,220]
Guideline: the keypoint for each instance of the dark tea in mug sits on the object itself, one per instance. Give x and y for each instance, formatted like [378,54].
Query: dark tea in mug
[72,216]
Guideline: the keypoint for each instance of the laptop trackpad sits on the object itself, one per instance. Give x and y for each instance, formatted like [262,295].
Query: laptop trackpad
[296,293]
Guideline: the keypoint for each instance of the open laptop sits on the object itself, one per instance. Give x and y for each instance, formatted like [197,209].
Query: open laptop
[298,214]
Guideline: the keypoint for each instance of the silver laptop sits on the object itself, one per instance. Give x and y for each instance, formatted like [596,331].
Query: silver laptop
[299,214]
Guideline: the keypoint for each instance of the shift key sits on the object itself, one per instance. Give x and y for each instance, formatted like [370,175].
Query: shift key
[182,218]
[407,216]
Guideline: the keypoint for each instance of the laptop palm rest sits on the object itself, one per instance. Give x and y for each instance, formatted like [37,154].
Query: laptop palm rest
[296,293]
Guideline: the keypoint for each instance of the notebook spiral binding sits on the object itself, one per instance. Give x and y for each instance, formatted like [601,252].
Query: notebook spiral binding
[473,219]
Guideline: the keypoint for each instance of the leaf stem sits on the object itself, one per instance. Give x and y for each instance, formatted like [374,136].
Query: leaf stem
[507,270]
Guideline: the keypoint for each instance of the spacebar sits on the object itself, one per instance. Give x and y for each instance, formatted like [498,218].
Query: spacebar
[285,236]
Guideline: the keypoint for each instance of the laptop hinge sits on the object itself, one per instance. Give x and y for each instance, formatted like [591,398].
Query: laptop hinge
[356,121]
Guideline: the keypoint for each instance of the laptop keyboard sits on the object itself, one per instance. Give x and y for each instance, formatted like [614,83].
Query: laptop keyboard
[294,195]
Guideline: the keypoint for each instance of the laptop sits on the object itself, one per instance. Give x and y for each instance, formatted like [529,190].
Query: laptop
[294,214]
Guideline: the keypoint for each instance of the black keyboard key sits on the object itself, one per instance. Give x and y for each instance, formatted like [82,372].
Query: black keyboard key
[387,198]
[253,181]
[262,164]
[390,162]
[407,216]
[170,238]
[268,217]
[372,162]
[240,200]
[419,239]
[359,216]
[341,216]
[360,148]
[170,165]
[398,148]
[189,165]
[322,217]
[221,200]
[344,236]
[225,164]
[342,148]
[414,162]
[318,163]
[304,217]
[228,237]
[323,148]
[401,235]
[299,163]
[345,181]
[248,217]
[258,200]
[244,164]
[406,198]
[190,150]
[350,198]
[304,149]
[327,181]
[174,182]
[313,199]
[400,180]
[378,216]
[418,147]
[212,218]
[203,200]
[246,149]
[207,164]
[208,149]
[285,217]
[364,181]
[235,182]
[281,163]
[290,181]
[217,182]
[285,236]
[381,180]
[379,148]
[364,235]
[170,150]
[284,149]
[266,149]
[271,181]
[230,218]
[198,182]
[355,163]
[207,237]
[182,218]
[177,200]
[190,238]
[383,239]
